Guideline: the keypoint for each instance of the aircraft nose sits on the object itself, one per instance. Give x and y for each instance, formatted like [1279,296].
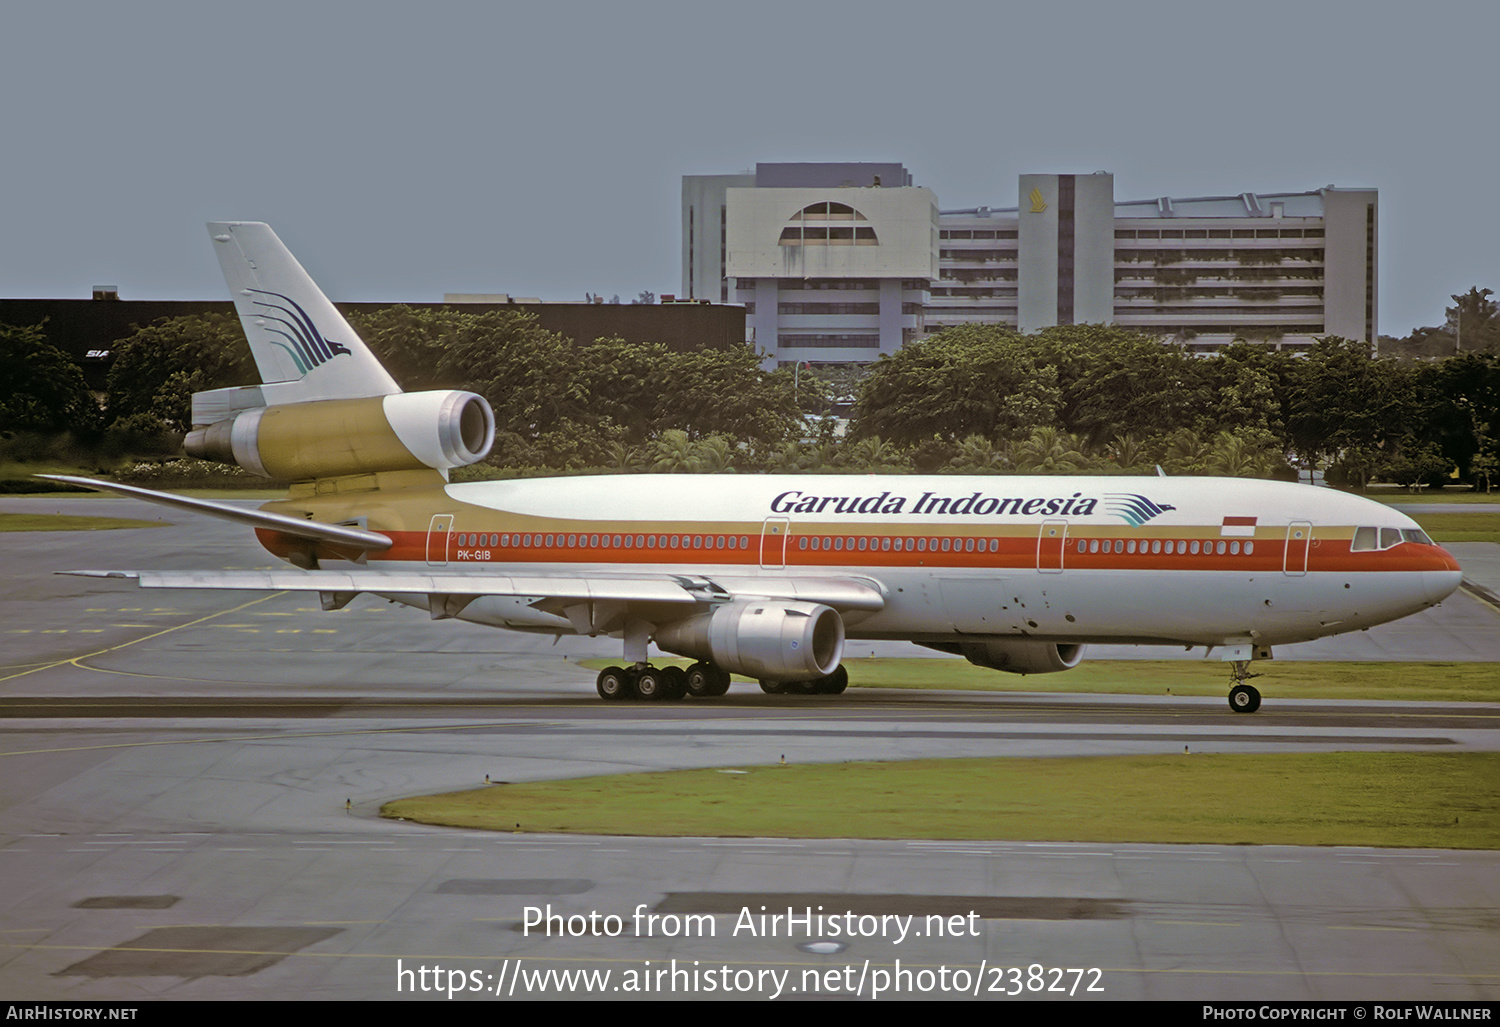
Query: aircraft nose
[1439,585]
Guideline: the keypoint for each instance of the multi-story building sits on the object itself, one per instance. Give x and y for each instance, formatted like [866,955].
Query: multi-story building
[832,261]
[1280,269]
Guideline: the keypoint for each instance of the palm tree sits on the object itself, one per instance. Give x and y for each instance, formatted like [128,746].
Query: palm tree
[979,455]
[1050,451]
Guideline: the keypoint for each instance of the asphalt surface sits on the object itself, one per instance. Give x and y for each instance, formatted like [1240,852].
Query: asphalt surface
[189,787]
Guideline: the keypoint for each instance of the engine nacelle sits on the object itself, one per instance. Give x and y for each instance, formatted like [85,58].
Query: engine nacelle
[334,437]
[1015,656]
[774,639]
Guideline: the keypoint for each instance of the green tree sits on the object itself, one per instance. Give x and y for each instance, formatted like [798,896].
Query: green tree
[972,380]
[1341,398]
[159,367]
[41,389]
[1474,321]
[1115,381]
[1049,451]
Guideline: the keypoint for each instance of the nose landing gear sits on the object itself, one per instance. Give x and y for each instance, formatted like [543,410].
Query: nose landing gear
[1243,698]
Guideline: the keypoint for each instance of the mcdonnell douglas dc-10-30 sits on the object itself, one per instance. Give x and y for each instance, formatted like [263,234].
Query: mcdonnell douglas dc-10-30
[764,576]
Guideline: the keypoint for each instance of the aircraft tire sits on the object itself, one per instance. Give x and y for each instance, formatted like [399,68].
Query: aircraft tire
[721,681]
[700,681]
[1244,699]
[676,683]
[835,683]
[651,684]
[613,684]
[773,687]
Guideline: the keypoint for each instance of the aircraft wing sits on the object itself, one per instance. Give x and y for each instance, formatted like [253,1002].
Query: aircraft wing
[554,592]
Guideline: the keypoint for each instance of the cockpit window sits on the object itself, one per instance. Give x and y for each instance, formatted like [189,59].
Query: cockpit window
[1367,539]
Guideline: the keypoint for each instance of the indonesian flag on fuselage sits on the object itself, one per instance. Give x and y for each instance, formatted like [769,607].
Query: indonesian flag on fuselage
[1238,527]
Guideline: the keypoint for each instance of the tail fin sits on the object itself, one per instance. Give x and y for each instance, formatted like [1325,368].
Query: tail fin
[302,345]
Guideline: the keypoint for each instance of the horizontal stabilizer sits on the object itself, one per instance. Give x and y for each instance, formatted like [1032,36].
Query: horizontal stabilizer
[317,531]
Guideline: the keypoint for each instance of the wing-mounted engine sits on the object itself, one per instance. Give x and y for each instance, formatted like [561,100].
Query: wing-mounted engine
[772,639]
[335,437]
[1015,656]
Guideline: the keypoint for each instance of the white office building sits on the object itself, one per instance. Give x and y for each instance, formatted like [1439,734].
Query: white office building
[843,262]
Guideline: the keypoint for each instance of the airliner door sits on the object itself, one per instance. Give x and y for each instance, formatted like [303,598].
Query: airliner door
[1298,537]
[773,543]
[1051,540]
[438,533]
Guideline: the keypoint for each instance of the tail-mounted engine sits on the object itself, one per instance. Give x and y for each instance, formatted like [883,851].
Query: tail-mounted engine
[763,638]
[335,437]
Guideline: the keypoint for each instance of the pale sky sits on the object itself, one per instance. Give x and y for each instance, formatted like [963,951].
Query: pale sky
[405,150]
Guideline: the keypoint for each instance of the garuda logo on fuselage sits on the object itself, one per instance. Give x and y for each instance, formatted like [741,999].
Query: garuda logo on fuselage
[304,342]
[1133,509]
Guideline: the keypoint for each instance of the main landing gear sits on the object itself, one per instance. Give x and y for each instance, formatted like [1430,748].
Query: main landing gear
[1243,698]
[829,684]
[643,681]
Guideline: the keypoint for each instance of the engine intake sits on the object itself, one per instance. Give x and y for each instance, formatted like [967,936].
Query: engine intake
[330,438]
[763,638]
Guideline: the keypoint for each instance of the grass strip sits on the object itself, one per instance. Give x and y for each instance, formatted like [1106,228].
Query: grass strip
[1460,527]
[69,522]
[1403,800]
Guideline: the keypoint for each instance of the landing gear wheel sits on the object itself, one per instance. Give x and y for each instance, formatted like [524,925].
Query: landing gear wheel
[1244,699]
[772,687]
[721,681]
[701,680]
[613,683]
[676,683]
[651,684]
[835,683]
